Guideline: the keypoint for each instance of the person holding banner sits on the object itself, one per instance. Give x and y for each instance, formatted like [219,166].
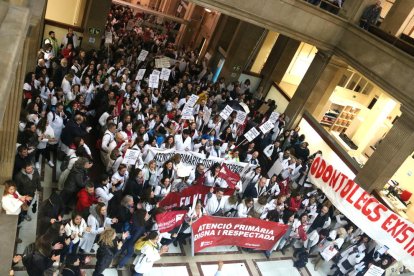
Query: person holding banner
[216,202]
[194,213]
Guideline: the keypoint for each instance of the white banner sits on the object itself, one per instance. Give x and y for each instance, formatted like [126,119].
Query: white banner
[140,74]
[143,55]
[153,81]
[365,211]
[165,74]
[251,134]
[190,158]
[226,112]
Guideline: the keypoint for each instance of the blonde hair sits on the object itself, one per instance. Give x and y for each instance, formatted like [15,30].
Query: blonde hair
[107,237]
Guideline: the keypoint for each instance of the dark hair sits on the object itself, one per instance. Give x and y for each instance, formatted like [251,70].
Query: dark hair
[139,217]
[51,32]
[151,235]
[89,184]
[75,214]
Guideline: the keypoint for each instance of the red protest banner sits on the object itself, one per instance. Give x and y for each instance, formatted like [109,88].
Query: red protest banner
[230,177]
[167,221]
[187,196]
[253,233]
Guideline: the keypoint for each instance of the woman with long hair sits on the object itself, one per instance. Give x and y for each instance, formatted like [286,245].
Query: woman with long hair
[108,250]
[75,229]
[14,203]
[150,253]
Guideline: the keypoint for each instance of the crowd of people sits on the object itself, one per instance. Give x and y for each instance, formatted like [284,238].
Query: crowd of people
[87,108]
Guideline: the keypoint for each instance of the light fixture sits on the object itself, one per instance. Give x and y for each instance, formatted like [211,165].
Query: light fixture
[207,10]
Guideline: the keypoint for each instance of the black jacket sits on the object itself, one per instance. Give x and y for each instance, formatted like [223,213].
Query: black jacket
[76,179]
[134,189]
[105,255]
[71,131]
[27,186]
[50,208]
[39,264]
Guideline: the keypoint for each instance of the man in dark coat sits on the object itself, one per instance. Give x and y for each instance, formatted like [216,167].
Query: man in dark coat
[28,180]
[74,128]
[50,212]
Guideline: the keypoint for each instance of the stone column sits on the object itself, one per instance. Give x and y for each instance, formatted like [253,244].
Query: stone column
[278,61]
[398,17]
[244,42]
[315,88]
[390,154]
[96,14]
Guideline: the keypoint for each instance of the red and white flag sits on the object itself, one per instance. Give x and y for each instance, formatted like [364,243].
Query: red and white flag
[230,177]
[167,221]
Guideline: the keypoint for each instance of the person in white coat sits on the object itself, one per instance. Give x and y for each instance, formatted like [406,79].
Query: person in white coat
[12,201]
[97,221]
[150,253]
[75,229]
[183,141]
[105,192]
[349,259]
[215,202]
[56,121]
[244,208]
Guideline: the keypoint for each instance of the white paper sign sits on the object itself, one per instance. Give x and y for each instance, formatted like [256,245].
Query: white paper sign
[241,117]
[273,117]
[226,112]
[156,72]
[187,113]
[143,55]
[108,37]
[328,253]
[266,127]
[140,75]
[163,62]
[131,156]
[374,271]
[165,74]
[192,100]
[153,81]
[251,134]
[207,115]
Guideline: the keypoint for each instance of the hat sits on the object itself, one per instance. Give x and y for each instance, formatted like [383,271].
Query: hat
[205,136]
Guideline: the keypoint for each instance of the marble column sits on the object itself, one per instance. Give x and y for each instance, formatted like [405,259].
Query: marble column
[315,88]
[243,45]
[278,61]
[398,17]
[390,154]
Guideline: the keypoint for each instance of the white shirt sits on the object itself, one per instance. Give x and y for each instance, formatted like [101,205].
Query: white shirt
[183,145]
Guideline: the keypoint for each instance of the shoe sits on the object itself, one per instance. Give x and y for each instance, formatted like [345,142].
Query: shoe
[120,268]
[267,254]
[50,163]
[175,243]
[28,218]
[19,240]
[283,251]
[37,165]
[92,251]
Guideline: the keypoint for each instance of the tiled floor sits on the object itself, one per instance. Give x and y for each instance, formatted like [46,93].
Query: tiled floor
[239,268]
[178,261]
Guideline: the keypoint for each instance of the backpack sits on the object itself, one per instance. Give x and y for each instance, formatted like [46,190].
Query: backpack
[28,254]
[65,163]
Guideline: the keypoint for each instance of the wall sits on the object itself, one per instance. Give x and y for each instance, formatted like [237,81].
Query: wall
[264,52]
[280,100]
[68,11]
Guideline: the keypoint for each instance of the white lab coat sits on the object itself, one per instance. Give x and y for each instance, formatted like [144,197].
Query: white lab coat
[242,210]
[89,238]
[11,205]
[145,261]
[183,145]
[71,228]
[213,205]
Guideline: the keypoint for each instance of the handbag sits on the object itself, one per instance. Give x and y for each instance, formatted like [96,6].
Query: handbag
[25,207]
[347,265]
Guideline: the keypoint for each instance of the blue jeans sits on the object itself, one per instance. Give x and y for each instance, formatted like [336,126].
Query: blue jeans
[129,245]
[137,274]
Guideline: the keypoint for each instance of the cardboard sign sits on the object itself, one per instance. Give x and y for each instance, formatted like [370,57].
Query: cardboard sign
[156,72]
[374,271]
[140,74]
[226,112]
[328,253]
[131,157]
[192,100]
[207,115]
[241,117]
[153,81]
[162,62]
[273,117]
[187,113]
[143,55]
[266,127]
[108,37]
[165,74]
[251,134]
